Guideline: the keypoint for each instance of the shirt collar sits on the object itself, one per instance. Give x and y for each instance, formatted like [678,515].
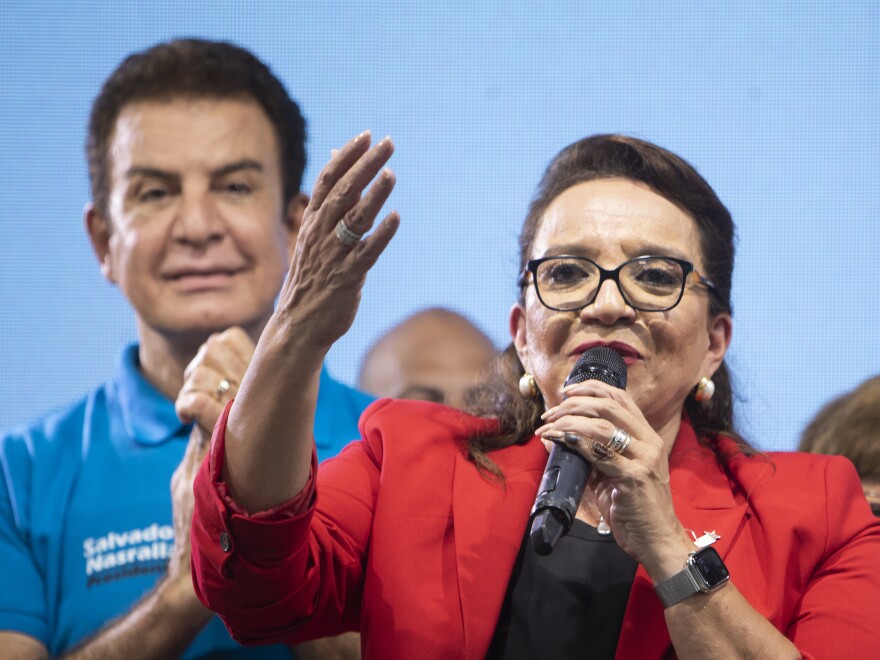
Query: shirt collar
[148,415]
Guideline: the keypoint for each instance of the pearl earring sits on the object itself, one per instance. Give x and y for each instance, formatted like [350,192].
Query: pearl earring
[705,391]
[528,387]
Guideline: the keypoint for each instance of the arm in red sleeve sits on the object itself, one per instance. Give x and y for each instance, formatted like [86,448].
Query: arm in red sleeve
[291,573]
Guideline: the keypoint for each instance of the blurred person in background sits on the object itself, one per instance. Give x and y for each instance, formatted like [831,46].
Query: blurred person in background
[849,426]
[434,355]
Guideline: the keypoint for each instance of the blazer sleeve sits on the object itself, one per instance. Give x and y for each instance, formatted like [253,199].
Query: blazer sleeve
[282,577]
[837,613]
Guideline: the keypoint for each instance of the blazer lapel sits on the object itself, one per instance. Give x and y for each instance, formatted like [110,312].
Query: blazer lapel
[489,520]
[704,501]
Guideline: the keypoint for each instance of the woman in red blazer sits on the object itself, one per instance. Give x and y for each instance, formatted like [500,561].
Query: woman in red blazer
[686,543]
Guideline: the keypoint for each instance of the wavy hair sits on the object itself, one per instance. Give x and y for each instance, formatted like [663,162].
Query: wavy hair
[670,176]
[194,69]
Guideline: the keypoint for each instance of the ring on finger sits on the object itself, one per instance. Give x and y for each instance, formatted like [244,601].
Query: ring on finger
[223,387]
[619,441]
[345,235]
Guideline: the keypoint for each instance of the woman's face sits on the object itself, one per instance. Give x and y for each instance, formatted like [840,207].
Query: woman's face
[667,353]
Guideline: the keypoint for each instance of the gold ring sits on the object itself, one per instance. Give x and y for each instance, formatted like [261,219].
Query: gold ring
[223,387]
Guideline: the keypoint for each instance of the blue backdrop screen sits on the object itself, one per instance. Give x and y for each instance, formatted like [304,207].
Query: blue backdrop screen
[777,105]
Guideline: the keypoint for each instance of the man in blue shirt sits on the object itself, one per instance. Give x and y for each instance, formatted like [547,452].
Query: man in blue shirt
[196,154]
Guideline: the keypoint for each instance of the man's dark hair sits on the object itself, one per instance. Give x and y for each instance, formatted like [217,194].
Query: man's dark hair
[194,69]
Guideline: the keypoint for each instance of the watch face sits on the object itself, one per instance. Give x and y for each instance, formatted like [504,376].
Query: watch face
[710,566]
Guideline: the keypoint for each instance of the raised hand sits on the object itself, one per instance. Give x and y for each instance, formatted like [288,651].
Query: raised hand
[331,259]
[268,440]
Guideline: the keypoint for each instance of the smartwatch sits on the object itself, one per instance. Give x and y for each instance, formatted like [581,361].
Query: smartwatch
[705,571]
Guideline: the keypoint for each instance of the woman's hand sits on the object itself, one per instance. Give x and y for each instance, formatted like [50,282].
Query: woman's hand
[633,494]
[631,489]
[322,291]
[268,440]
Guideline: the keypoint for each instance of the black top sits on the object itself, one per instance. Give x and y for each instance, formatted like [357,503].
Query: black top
[568,604]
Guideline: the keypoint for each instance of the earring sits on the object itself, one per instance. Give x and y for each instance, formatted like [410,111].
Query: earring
[528,387]
[705,391]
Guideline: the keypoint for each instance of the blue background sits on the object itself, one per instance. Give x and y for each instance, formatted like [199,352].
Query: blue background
[777,104]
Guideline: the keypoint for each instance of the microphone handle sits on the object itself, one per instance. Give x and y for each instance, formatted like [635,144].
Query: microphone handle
[558,498]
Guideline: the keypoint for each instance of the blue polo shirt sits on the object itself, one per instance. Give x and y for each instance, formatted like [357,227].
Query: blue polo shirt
[85,507]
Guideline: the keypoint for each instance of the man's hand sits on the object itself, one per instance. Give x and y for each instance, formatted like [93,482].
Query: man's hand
[179,572]
[212,378]
[346,646]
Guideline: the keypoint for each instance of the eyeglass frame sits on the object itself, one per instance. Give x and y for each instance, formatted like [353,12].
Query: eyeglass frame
[688,270]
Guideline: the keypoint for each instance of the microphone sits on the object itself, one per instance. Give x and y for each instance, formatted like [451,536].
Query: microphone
[565,476]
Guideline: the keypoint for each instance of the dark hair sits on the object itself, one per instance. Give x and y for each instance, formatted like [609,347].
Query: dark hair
[849,426]
[194,68]
[603,157]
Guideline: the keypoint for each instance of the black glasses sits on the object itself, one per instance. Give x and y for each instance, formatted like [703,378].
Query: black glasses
[648,284]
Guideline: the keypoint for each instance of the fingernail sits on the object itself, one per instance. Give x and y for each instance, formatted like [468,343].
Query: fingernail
[333,153]
[365,135]
[571,439]
[550,411]
[551,435]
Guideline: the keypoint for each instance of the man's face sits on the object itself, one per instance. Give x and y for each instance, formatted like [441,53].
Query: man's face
[197,237]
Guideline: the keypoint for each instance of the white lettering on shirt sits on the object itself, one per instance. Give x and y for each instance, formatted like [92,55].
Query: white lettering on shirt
[115,549]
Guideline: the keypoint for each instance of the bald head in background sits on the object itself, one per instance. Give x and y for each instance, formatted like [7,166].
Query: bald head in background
[434,355]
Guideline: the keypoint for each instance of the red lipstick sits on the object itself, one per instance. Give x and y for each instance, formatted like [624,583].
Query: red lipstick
[627,352]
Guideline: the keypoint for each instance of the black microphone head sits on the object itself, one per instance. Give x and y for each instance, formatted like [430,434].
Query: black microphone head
[599,363]
[567,471]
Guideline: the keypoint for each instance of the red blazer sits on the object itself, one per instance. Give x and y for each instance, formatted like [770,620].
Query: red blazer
[411,545]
